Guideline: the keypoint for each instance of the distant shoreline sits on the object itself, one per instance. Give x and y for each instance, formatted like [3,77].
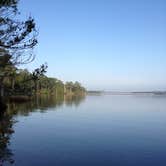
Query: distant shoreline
[128,93]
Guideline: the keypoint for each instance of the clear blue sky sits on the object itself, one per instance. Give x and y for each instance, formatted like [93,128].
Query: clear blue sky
[104,44]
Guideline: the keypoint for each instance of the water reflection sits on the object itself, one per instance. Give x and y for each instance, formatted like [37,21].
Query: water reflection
[43,103]
[39,103]
[6,130]
[73,100]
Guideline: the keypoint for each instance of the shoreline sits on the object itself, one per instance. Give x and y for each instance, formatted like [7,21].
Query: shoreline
[156,93]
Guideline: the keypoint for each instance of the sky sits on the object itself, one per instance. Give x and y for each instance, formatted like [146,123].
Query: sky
[117,45]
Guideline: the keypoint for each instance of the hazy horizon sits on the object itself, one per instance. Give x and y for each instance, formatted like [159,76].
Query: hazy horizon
[104,44]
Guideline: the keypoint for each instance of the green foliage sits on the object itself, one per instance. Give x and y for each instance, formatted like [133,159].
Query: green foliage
[74,88]
[8,3]
[23,82]
[37,73]
[17,38]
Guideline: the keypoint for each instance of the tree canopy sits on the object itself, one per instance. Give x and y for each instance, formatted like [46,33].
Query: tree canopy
[17,37]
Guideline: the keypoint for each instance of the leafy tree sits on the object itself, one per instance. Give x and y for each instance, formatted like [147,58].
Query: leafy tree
[17,39]
[37,73]
[74,88]
[69,86]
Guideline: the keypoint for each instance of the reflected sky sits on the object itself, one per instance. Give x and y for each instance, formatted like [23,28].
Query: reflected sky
[96,130]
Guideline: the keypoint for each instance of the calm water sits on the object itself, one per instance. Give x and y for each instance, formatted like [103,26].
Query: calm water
[96,130]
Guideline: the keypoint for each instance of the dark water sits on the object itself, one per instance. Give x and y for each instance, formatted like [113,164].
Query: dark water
[96,130]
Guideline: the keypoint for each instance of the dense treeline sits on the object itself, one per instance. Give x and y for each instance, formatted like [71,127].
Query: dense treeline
[23,82]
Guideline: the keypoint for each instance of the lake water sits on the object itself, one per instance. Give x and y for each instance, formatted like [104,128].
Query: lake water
[106,130]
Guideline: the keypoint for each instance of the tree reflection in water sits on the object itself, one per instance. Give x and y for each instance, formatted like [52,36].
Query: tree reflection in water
[6,130]
[39,103]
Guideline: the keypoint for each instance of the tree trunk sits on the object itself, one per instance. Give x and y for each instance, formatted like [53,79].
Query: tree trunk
[1,88]
[64,89]
[2,104]
[70,91]
[13,83]
[36,86]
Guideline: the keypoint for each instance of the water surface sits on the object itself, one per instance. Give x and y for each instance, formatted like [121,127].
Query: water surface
[101,130]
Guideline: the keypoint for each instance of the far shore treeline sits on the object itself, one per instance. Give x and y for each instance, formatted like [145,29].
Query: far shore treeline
[17,41]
